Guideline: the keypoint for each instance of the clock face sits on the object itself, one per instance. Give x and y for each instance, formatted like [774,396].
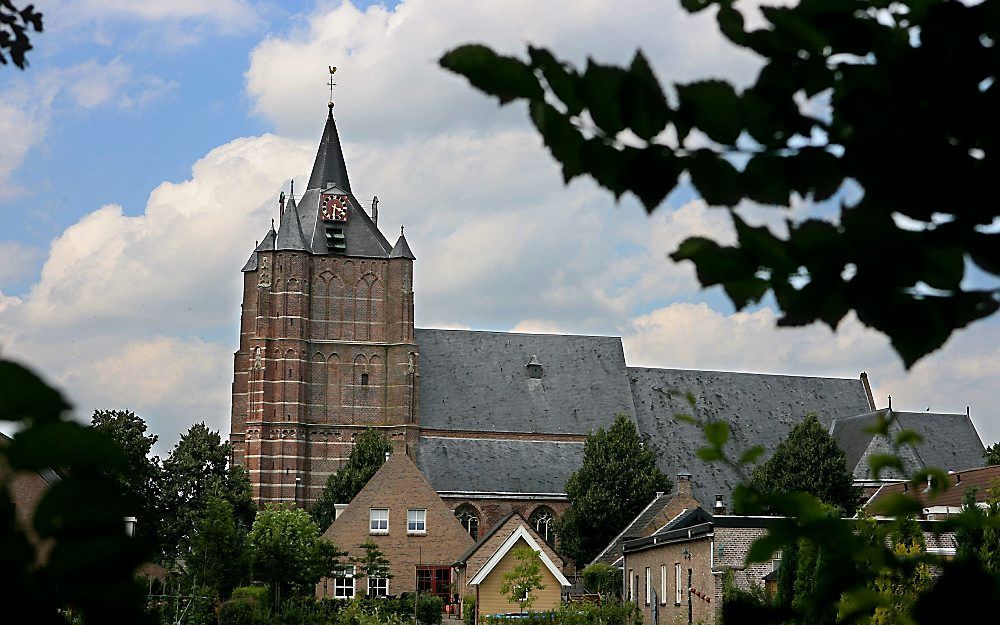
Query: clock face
[333,207]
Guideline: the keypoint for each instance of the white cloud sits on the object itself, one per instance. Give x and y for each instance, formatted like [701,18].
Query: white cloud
[123,303]
[20,261]
[391,85]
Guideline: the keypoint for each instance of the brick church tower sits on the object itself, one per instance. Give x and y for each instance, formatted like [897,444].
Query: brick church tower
[326,338]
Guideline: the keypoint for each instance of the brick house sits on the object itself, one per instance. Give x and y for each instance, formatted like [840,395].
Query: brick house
[485,565]
[400,511]
[676,574]
[948,502]
[26,489]
[496,421]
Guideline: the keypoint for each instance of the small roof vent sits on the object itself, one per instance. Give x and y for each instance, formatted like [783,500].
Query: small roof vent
[534,368]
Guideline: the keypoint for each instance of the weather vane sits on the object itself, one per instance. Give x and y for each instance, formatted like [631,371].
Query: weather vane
[331,84]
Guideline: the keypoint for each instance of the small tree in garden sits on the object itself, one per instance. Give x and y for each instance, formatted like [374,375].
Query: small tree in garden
[520,582]
[373,564]
[603,579]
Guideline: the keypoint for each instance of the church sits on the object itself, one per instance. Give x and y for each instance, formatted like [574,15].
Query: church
[496,421]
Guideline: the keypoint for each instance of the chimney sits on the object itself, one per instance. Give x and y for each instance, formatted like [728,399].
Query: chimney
[719,508]
[684,484]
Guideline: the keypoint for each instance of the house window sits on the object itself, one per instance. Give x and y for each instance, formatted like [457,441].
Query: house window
[378,586]
[378,520]
[416,521]
[469,519]
[663,584]
[631,585]
[542,520]
[649,588]
[343,585]
[677,583]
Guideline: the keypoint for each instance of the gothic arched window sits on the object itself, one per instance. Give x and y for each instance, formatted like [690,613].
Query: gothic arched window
[542,520]
[469,518]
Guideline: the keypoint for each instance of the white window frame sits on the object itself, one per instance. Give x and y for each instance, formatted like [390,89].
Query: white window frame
[381,584]
[677,583]
[375,523]
[631,585]
[663,584]
[340,586]
[416,521]
[649,588]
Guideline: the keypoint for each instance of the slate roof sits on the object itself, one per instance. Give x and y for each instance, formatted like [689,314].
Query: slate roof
[401,249]
[613,551]
[760,408]
[950,440]
[267,243]
[492,466]
[363,238]
[477,381]
[329,165]
[290,235]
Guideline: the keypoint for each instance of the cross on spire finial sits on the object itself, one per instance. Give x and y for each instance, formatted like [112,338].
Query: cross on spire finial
[331,84]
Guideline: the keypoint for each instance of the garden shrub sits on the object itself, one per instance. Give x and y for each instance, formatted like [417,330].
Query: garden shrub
[603,579]
[469,609]
[200,609]
[256,594]
[240,612]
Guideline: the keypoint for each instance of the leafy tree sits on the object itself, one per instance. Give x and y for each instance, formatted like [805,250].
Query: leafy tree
[14,26]
[217,556]
[139,479]
[617,479]
[372,564]
[603,579]
[76,554]
[899,588]
[980,544]
[288,553]
[520,582]
[992,455]
[198,468]
[367,455]
[882,70]
[808,460]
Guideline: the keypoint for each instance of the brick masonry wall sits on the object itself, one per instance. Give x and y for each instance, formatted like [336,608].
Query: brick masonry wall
[400,486]
[703,602]
[326,348]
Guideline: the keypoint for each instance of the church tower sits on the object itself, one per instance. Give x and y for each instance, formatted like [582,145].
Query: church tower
[326,338]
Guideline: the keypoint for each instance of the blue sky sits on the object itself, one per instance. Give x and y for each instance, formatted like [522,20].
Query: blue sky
[148,141]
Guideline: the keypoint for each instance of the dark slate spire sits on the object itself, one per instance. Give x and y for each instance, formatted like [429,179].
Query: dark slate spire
[290,235]
[266,245]
[401,249]
[329,166]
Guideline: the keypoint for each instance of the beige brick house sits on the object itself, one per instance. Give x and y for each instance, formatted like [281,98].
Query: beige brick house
[487,579]
[418,533]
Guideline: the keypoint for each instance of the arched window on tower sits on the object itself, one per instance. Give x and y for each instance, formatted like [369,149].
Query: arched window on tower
[542,520]
[469,518]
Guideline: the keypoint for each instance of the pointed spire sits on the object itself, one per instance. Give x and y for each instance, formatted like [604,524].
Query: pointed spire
[290,236]
[401,249]
[329,166]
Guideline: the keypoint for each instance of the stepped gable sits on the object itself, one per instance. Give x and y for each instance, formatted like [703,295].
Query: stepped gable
[760,408]
[485,465]
[481,381]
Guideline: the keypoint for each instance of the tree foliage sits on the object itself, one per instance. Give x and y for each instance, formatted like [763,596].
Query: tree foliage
[288,552]
[810,461]
[617,479]
[992,455]
[367,455]
[910,96]
[139,479]
[603,579]
[15,25]
[197,469]
[372,563]
[217,555]
[74,563]
[520,583]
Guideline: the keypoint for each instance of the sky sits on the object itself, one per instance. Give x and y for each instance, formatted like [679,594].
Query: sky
[147,143]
